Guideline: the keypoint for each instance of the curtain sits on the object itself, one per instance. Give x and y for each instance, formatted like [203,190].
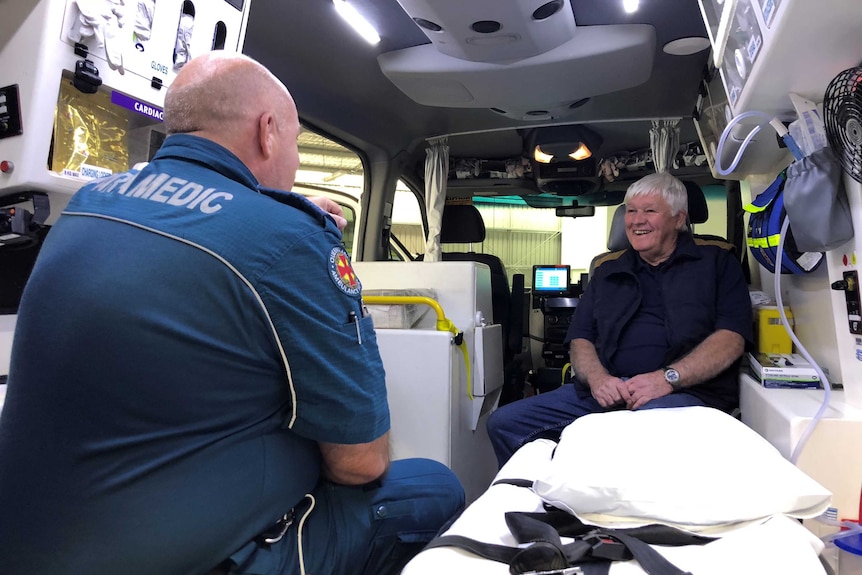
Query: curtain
[436,173]
[664,142]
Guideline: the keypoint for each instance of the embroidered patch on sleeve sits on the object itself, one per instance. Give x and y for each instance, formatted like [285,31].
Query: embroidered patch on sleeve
[342,273]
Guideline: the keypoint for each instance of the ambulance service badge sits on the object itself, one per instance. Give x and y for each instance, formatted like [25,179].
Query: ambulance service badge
[342,272]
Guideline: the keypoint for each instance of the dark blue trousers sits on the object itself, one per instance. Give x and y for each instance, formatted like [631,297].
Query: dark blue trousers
[545,415]
[363,530]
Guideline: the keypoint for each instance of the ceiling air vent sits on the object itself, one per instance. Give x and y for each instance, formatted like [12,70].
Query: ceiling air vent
[529,31]
[515,58]
[428,25]
[547,10]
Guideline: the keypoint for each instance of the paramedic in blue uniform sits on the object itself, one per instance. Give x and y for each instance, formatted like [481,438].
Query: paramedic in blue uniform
[194,385]
[662,324]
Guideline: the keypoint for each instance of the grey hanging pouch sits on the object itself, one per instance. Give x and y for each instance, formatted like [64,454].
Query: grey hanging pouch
[816,202]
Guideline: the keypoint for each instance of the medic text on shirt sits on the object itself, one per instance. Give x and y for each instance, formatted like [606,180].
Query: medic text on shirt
[165,189]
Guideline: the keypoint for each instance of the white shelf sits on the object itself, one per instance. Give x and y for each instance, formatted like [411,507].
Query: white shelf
[832,455]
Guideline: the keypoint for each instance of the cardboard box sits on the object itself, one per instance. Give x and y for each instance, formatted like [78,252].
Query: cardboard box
[783,370]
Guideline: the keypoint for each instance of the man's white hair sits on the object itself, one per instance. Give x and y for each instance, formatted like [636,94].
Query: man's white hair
[664,184]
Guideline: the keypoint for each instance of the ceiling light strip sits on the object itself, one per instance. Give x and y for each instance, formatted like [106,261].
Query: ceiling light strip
[358,22]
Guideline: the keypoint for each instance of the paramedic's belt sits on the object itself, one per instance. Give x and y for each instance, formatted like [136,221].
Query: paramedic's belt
[275,533]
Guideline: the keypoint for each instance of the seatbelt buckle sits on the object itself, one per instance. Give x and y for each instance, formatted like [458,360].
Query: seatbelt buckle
[573,570]
[275,533]
[607,547]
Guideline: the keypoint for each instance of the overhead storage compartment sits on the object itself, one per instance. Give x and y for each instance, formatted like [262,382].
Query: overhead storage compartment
[765,50]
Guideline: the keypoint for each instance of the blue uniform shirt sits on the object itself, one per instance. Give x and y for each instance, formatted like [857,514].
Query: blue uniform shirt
[644,341]
[184,342]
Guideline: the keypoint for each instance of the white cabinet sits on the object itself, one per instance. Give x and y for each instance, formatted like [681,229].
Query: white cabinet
[832,455]
[438,409]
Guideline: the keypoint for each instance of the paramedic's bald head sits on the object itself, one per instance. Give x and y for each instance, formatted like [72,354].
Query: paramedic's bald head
[235,101]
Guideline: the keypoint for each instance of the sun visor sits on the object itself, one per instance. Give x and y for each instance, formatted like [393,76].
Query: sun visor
[596,60]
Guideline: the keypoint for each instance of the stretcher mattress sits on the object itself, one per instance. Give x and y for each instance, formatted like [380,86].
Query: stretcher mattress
[773,543]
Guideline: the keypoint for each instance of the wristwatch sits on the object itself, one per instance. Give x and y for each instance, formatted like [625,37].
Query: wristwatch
[672,377]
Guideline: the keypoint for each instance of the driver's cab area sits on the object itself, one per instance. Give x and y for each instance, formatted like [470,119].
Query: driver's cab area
[553,301]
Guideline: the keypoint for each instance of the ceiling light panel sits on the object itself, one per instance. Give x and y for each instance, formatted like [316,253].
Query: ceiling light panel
[467,29]
[541,156]
[582,153]
[597,60]
[357,21]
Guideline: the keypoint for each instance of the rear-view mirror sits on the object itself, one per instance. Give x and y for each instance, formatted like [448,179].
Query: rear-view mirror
[576,211]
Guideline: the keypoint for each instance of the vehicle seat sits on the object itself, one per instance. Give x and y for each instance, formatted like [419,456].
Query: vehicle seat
[698,213]
[463,224]
[617,240]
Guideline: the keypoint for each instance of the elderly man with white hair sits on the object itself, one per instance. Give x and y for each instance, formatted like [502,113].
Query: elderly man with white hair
[662,324]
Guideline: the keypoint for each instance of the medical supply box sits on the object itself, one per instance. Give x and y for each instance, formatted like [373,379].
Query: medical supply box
[783,370]
[769,332]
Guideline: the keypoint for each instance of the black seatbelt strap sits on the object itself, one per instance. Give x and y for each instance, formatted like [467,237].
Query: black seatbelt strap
[516,482]
[591,552]
[540,557]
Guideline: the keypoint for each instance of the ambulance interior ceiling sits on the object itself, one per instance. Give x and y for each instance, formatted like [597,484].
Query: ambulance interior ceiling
[338,81]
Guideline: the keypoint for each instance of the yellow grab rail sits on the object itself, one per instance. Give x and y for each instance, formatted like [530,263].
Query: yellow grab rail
[443,323]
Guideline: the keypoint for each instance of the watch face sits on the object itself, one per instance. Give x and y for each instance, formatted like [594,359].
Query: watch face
[671,375]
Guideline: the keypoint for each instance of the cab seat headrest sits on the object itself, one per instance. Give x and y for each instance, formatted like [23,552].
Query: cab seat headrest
[462,224]
[698,210]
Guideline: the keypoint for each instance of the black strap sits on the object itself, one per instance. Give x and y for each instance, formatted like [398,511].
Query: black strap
[541,556]
[499,553]
[593,548]
[567,525]
[650,560]
[516,482]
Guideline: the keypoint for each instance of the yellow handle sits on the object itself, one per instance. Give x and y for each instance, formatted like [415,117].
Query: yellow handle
[565,369]
[443,323]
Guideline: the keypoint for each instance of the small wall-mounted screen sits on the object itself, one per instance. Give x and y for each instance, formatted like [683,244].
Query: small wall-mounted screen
[551,280]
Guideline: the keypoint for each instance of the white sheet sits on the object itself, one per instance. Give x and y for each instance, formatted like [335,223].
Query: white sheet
[778,545]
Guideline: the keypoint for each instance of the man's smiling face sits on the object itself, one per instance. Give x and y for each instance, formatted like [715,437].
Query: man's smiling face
[650,227]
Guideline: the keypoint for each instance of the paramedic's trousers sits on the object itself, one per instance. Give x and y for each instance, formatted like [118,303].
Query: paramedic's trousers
[361,530]
[545,415]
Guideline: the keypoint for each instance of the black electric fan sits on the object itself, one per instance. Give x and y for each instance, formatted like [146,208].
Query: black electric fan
[842,116]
